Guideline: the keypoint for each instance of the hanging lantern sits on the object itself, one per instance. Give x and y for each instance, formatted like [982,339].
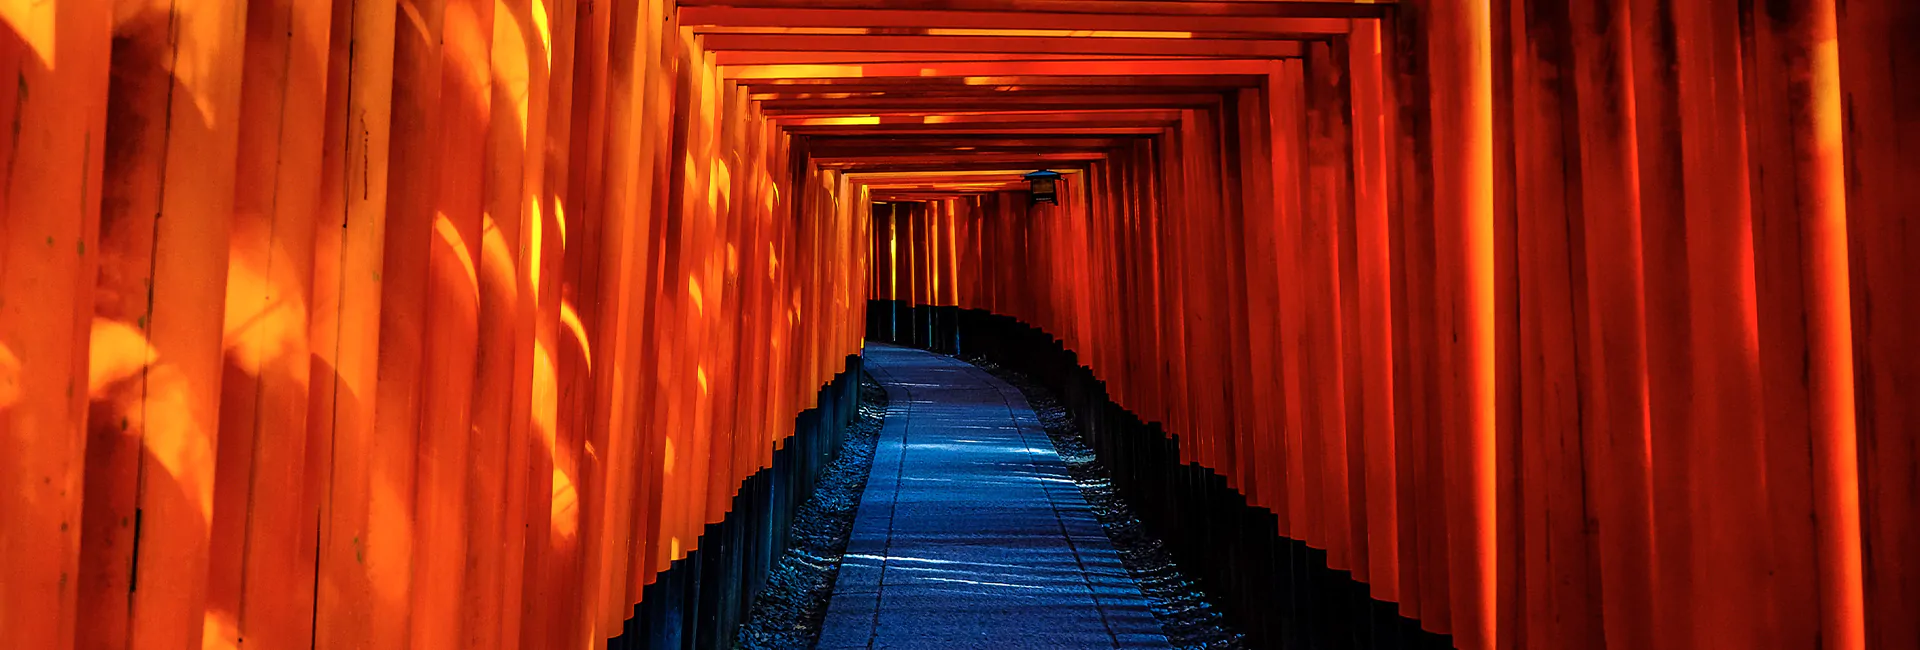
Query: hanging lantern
[1041,185]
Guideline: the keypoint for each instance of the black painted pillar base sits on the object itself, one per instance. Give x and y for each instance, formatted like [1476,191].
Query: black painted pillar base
[700,600]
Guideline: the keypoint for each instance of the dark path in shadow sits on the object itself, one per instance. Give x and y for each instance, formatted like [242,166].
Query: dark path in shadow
[970,533]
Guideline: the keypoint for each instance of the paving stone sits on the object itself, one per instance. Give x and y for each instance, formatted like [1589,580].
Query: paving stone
[970,533]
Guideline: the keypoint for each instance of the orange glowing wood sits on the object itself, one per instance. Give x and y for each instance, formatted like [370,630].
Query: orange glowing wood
[703,286]
[1332,73]
[800,300]
[1694,121]
[1329,206]
[821,79]
[912,253]
[822,57]
[737,399]
[164,253]
[111,512]
[1616,327]
[1371,143]
[747,266]
[781,257]
[1795,137]
[680,313]
[1128,117]
[497,499]
[1045,93]
[964,70]
[261,521]
[722,478]
[658,124]
[455,255]
[1463,235]
[1664,238]
[660,111]
[1292,8]
[785,406]
[905,46]
[1285,100]
[50,212]
[1142,188]
[550,534]
[348,261]
[1423,568]
[1025,160]
[1503,490]
[404,513]
[1208,341]
[1137,17]
[622,262]
[831,148]
[1116,128]
[1880,133]
[578,615]
[1176,281]
[1008,101]
[668,291]
[853,115]
[1237,115]
[1558,592]
[937,167]
[584,347]
[708,498]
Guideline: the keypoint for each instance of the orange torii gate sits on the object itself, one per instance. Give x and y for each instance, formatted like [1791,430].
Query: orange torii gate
[391,323]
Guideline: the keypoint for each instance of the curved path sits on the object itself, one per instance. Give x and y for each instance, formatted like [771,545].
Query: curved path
[970,533]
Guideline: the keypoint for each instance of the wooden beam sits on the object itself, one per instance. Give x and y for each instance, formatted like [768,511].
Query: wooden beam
[943,86]
[752,57]
[988,73]
[698,17]
[1028,159]
[1235,8]
[917,105]
[1036,117]
[1146,47]
[985,129]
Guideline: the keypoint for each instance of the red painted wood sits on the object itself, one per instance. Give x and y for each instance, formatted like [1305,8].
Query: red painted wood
[1560,324]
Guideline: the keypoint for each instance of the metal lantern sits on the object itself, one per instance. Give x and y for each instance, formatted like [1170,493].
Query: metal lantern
[1041,185]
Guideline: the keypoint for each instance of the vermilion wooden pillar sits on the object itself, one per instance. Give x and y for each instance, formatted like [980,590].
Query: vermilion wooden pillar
[1285,87]
[1327,184]
[1619,459]
[1260,288]
[1461,72]
[502,400]
[406,280]
[160,303]
[1558,589]
[262,534]
[1372,141]
[1880,118]
[549,533]
[1424,569]
[1795,135]
[49,241]
[522,144]
[451,325]
[349,260]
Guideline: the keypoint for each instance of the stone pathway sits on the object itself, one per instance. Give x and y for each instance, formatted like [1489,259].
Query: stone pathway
[970,533]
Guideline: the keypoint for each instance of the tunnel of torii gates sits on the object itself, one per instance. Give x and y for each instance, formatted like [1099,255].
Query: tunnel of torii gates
[525,323]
